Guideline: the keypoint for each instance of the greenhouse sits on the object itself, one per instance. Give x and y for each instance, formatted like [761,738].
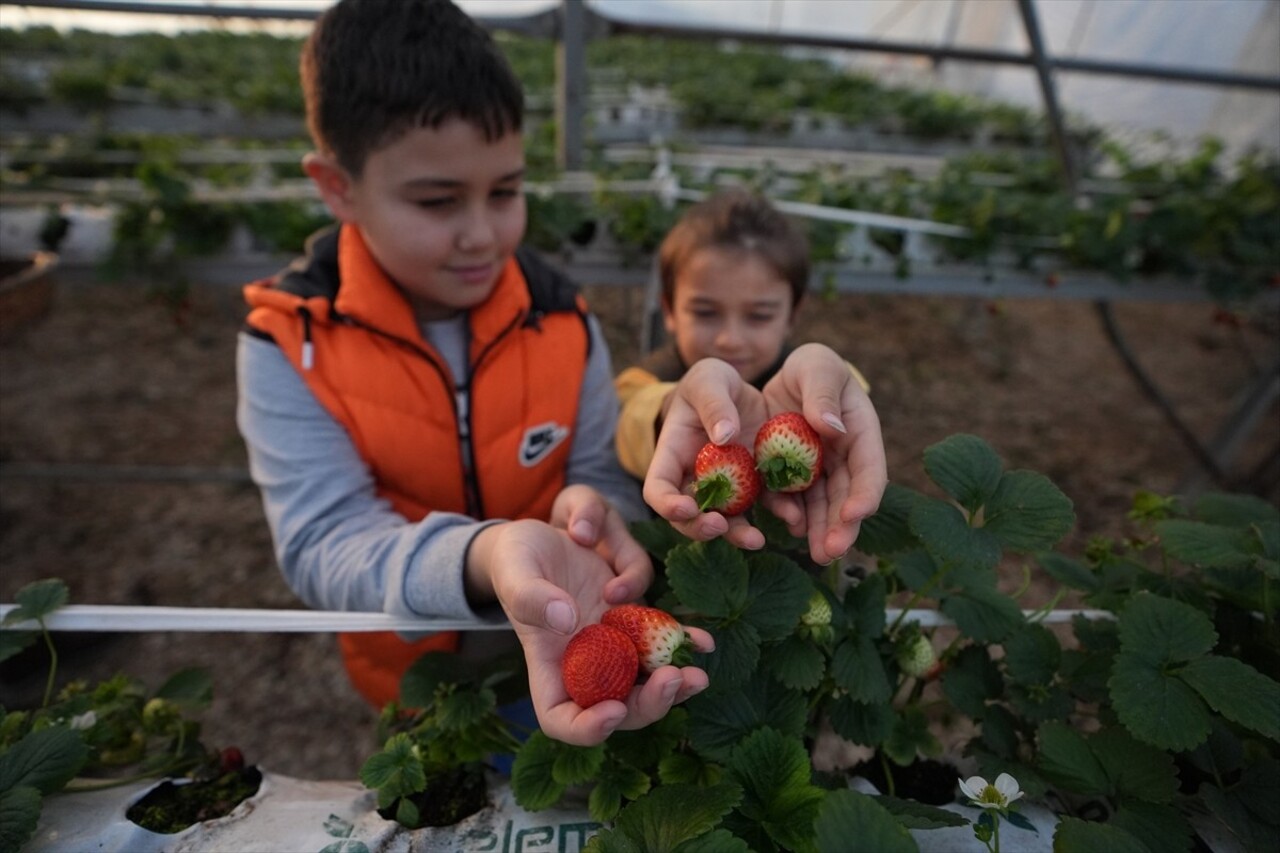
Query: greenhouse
[1024,597]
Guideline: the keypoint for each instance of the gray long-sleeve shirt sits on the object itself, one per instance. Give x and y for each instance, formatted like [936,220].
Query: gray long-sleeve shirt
[339,545]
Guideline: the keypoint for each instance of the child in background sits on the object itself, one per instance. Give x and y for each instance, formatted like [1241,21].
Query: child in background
[734,271]
[428,408]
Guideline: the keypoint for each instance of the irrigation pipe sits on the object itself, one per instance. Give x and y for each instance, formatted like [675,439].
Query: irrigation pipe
[134,619]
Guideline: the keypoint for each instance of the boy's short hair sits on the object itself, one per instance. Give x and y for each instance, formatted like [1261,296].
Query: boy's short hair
[737,219]
[374,69]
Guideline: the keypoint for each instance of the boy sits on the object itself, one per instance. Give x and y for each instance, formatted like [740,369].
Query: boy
[734,271]
[427,408]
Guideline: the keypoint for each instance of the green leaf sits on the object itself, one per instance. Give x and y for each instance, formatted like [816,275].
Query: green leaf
[778,594]
[1158,709]
[856,666]
[950,540]
[419,683]
[1259,789]
[735,658]
[605,800]
[688,768]
[971,680]
[1032,654]
[646,747]
[986,616]
[575,765]
[776,792]
[916,570]
[716,841]
[1072,573]
[394,772]
[710,578]
[14,642]
[1252,831]
[533,773]
[795,663]
[612,841]
[1237,691]
[965,467]
[191,688]
[1039,703]
[888,531]
[463,709]
[910,737]
[1074,835]
[852,822]
[45,760]
[19,816]
[861,723]
[657,536]
[1164,631]
[1160,827]
[1234,510]
[37,600]
[718,722]
[917,815]
[1136,769]
[1208,545]
[1000,731]
[864,606]
[1067,760]
[1028,513]
[670,815]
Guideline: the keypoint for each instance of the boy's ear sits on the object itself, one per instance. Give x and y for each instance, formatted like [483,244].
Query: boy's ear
[668,316]
[333,182]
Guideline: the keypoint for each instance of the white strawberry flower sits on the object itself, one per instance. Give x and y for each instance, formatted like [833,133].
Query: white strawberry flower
[85,721]
[997,796]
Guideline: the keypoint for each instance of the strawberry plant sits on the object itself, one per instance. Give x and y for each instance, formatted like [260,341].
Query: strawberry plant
[1134,722]
[84,737]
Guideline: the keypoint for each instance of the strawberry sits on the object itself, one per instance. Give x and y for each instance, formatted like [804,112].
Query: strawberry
[659,639]
[725,479]
[788,453]
[916,656]
[815,622]
[599,663]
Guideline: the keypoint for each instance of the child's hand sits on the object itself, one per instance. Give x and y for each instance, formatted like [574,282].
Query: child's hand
[592,522]
[550,587]
[817,381]
[710,403]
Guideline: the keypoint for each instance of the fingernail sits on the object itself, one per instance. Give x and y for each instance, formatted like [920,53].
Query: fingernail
[834,422]
[559,616]
[722,432]
[611,723]
[583,531]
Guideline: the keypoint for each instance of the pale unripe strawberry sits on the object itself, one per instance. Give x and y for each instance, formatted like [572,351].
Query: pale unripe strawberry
[916,656]
[659,639]
[815,622]
[788,453]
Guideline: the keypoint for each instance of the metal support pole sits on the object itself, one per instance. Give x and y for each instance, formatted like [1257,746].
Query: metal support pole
[1052,109]
[571,85]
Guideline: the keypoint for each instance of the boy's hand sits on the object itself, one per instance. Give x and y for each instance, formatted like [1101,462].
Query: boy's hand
[710,403]
[815,380]
[550,587]
[592,522]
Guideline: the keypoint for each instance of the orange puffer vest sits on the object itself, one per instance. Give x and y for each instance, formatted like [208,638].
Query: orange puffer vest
[360,350]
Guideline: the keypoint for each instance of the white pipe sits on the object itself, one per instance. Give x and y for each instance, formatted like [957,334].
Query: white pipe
[126,618]
[129,618]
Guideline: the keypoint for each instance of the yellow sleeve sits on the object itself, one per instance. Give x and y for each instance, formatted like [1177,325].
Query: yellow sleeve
[862,380]
[642,396]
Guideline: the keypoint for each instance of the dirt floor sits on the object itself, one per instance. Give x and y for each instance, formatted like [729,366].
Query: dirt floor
[118,374]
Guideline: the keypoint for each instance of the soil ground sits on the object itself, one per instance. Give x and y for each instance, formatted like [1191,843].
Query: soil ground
[121,374]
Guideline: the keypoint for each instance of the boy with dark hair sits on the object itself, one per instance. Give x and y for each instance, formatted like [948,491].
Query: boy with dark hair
[427,407]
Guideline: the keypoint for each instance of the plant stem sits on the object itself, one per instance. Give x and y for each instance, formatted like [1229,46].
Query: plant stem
[53,664]
[995,833]
[888,774]
[915,598]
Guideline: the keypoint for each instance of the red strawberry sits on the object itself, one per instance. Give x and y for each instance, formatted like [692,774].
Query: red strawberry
[788,453]
[725,479]
[599,663]
[658,637]
[230,760]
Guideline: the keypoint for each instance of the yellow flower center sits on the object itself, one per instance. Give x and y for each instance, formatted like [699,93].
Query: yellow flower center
[991,795]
